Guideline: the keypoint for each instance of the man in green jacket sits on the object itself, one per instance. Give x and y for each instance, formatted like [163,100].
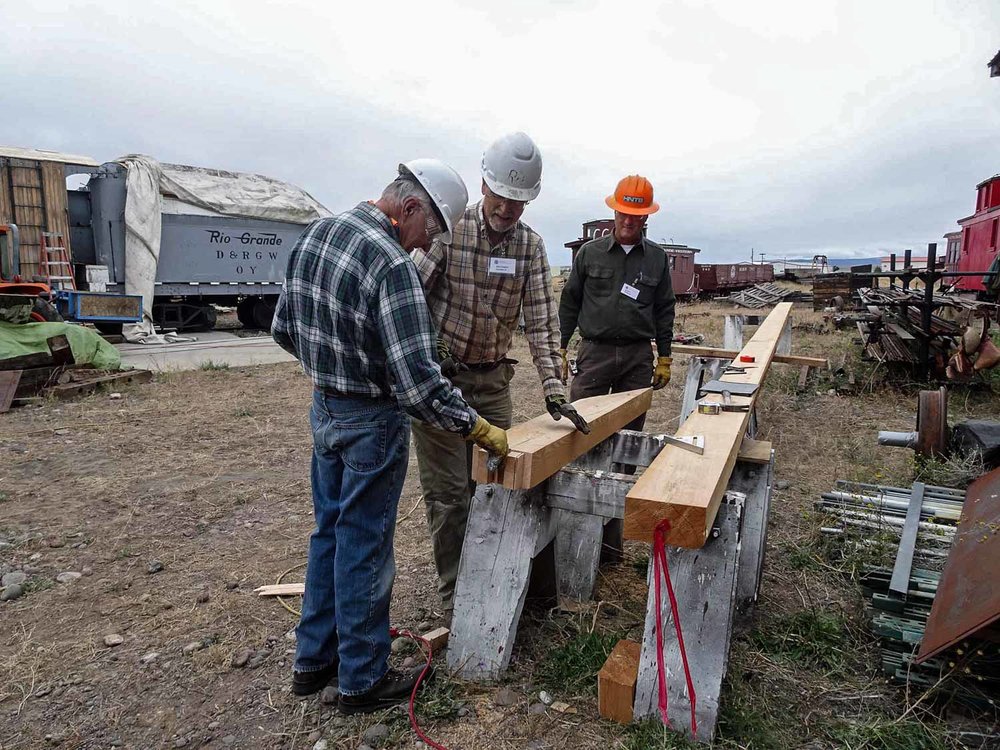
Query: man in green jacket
[620,297]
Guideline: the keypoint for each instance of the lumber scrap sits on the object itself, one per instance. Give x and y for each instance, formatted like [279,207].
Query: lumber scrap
[713,353]
[542,446]
[504,536]
[438,638]
[685,487]
[9,380]
[119,378]
[281,589]
[616,682]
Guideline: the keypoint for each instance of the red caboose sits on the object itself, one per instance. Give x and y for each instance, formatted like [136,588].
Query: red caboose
[978,243]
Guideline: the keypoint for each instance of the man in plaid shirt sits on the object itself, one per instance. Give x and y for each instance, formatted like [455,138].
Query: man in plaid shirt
[477,286]
[353,312]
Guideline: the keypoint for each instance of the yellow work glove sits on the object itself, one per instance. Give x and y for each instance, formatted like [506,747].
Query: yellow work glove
[661,374]
[489,438]
[564,375]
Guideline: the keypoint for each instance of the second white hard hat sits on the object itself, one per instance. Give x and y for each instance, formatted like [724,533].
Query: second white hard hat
[445,187]
[512,167]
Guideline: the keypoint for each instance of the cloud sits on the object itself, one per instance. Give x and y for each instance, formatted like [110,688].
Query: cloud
[791,128]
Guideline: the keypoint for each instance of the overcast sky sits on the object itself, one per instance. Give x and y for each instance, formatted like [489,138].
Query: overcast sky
[850,128]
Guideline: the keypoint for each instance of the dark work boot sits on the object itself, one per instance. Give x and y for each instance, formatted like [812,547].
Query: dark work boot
[395,687]
[307,683]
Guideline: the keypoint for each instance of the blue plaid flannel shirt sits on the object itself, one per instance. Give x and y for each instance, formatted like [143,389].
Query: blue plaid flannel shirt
[352,311]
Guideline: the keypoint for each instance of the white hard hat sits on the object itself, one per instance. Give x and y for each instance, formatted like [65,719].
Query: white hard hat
[445,187]
[512,167]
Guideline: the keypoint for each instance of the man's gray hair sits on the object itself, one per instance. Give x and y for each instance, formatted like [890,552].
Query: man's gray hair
[403,187]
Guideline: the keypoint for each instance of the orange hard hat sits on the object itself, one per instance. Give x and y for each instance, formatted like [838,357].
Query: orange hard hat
[634,195]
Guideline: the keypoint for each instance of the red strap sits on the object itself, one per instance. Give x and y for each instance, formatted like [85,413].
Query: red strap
[413,695]
[660,562]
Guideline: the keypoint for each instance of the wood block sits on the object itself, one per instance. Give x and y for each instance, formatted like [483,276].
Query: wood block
[541,446]
[438,638]
[688,488]
[713,353]
[616,682]
[755,451]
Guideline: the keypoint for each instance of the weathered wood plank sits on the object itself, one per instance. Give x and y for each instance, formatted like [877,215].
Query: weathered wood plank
[119,378]
[542,446]
[785,342]
[732,332]
[597,493]
[755,482]
[616,682]
[685,487]
[580,536]
[506,530]
[708,351]
[9,380]
[704,581]
[578,553]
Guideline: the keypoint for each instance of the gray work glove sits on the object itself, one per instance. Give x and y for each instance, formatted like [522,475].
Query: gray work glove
[559,408]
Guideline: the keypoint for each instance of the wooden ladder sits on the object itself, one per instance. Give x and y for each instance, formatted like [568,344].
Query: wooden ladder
[56,267]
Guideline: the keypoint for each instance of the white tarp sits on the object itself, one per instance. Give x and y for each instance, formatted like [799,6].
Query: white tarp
[150,184]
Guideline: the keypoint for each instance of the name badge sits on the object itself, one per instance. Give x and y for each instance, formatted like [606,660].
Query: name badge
[630,291]
[504,266]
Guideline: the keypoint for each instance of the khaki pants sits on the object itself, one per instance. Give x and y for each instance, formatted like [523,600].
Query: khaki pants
[612,368]
[445,462]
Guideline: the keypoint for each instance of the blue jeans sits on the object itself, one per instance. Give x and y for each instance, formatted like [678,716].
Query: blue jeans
[360,449]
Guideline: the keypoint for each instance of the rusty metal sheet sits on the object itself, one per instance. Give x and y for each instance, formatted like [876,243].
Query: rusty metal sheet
[968,599]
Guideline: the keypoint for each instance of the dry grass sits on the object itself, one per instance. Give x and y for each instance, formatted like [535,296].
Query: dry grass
[207,472]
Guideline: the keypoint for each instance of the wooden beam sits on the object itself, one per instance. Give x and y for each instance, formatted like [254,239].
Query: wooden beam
[541,446]
[687,488]
[616,682]
[713,353]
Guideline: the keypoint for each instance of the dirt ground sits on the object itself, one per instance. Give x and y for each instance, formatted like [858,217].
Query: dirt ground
[175,501]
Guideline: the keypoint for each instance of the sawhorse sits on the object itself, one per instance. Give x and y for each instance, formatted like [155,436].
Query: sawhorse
[568,520]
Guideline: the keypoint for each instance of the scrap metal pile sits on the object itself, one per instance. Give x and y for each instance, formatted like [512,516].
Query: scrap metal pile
[946,337]
[930,634]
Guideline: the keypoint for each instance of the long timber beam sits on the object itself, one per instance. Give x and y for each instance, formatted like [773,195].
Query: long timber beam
[685,487]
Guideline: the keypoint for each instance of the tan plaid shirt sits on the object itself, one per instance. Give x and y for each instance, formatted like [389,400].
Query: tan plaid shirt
[476,311]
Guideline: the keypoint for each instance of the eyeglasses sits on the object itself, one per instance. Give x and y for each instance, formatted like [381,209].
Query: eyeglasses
[517,205]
